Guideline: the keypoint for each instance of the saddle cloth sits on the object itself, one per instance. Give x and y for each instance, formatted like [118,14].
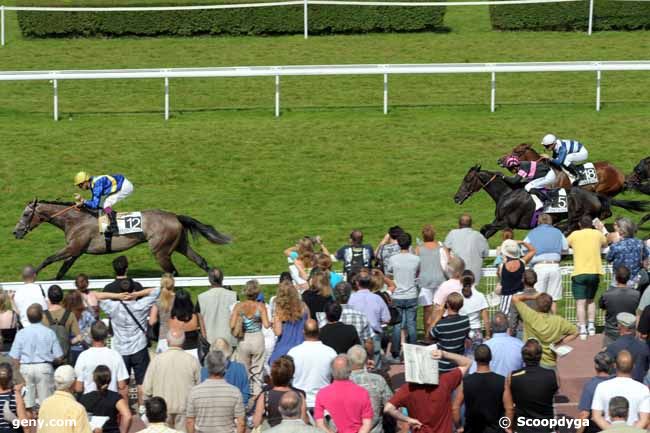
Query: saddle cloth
[588,174]
[127,223]
[558,204]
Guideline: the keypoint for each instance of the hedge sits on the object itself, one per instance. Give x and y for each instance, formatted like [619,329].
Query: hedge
[608,15]
[252,21]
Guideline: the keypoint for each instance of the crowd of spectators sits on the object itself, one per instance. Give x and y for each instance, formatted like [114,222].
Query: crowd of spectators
[315,355]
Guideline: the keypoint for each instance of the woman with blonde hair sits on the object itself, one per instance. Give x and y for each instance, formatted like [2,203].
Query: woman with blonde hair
[161,311]
[319,293]
[303,258]
[252,316]
[289,315]
[9,321]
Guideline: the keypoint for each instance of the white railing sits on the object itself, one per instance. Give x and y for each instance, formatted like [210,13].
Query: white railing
[331,70]
[304,3]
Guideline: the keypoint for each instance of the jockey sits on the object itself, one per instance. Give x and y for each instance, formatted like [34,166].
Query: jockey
[566,153]
[535,176]
[112,188]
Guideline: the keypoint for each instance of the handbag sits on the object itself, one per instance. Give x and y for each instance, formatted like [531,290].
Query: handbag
[395,315]
[203,349]
[153,331]
[237,330]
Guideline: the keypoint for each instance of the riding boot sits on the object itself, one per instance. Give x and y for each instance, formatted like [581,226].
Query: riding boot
[574,172]
[112,226]
[542,195]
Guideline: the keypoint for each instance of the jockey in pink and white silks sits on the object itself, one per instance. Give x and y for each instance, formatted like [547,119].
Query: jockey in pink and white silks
[566,153]
[532,174]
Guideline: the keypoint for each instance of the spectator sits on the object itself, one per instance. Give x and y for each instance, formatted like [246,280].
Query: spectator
[529,392]
[644,325]
[469,245]
[587,269]
[627,341]
[289,315]
[90,300]
[619,411]
[603,364]
[9,320]
[530,279]
[214,405]
[429,406]
[374,308]
[506,233]
[171,375]
[482,394]
[431,273]
[267,405]
[336,334]
[619,298]
[545,327]
[312,363]
[303,259]
[35,349]
[290,407]
[27,294]
[375,384]
[61,321]
[511,273]
[355,256]
[324,264]
[62,407]
[161,311]
[475,307]
[347,403]
[629,252]
[404,268]
[250,350]
[236,373]
[99,354]
[128,320]
[319,293]
[549,243]
[104,402]
[451,331]
[184,318]
[122,283]
[73,302]
[505,349]
[10,399]
[388,247]
[455,269]
[156,412]
[214,306]
[637,394]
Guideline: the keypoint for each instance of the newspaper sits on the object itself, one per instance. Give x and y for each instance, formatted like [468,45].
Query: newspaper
[419,366]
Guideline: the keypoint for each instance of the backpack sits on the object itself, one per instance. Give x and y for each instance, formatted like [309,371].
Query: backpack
[62,334]
[356,258]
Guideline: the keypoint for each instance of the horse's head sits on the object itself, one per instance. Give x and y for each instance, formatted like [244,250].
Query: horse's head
[640,173]
[471,183]
[524,152]
[29,220]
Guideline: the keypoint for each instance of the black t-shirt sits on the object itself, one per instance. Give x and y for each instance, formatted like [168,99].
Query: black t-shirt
[315,302]
[644,323]
[339,336]
[483,402]
[103,405]
[533,389]
[121,285]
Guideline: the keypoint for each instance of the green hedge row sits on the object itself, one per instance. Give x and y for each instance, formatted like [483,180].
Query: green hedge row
[252,21]
[608,15]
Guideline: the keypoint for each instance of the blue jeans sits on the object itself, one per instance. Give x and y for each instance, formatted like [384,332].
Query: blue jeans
[408,310]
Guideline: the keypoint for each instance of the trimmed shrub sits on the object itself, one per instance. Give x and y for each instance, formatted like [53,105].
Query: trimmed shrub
[323,19]
[608,15]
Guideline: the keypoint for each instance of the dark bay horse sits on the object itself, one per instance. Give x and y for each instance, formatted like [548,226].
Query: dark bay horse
[639,180]
[515,207]
[611,180]
[165,232]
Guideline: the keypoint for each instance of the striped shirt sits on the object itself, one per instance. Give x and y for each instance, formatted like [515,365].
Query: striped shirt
[450,334]
[214,405]
[10,397]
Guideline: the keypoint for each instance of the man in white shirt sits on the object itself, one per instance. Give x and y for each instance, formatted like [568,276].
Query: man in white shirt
[28,294]
[312,360]
[635,392]
[99,354]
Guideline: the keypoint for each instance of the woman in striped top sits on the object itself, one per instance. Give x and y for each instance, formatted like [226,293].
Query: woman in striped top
[9,399]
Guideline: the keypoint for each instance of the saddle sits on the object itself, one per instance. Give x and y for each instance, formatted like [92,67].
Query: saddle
[125,223]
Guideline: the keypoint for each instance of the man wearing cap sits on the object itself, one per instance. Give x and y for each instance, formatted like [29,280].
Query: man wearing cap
[61,413]
[619,298]
[627,341]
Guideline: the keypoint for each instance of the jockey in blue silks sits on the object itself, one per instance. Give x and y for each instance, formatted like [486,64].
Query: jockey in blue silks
[111,188]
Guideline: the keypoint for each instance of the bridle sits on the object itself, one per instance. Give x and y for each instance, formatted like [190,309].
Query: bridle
[483,184]
[29,227]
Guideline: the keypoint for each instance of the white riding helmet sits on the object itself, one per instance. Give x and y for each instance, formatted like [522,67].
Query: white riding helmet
[549,139]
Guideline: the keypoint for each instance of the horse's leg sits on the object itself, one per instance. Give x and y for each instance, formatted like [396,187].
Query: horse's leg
[64,254]
[185,249]
[67,264]
[645,219]
[164,259]
[489,230]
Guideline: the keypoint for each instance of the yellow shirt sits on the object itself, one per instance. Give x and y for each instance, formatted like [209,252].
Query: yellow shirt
[60,413]
[586,245]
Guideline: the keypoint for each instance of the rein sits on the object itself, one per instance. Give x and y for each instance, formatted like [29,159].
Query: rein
[49,218]
[484,185]
[61,212]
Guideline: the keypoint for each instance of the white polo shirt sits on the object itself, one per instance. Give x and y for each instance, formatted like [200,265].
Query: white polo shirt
[636,393]
[89,360]
[312,360]
[26,295]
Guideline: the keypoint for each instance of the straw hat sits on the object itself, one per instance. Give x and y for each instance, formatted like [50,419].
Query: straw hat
[510,248]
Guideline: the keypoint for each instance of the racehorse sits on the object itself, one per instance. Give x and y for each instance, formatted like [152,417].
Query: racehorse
[164,231]
[515,208]
[639,180]
[611,180]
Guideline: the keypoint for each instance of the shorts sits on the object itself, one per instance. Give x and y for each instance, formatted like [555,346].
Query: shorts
[549,279]
[139,362]
[585,286]
[425,298]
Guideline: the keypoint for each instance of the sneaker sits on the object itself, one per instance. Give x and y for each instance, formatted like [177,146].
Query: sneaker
[583,333]
[390,359]
[591,329]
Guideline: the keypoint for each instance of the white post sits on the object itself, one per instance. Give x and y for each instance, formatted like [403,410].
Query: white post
[493,92]
[277,96]
[166,98]
[591,17]
[2,25]
[56,99]
[385,93]
[598,75]
[306,20]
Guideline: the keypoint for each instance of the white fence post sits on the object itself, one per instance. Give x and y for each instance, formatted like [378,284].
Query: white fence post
[166,98]
[2,25]
[385,93]
[493,92]
[598,76]
[591,17]
[55,83]
[306,19]
[277,96]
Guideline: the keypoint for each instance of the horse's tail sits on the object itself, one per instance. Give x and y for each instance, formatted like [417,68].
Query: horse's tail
[631,205]
[197,228]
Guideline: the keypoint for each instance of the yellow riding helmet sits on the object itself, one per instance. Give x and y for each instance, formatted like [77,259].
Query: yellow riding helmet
[81,177]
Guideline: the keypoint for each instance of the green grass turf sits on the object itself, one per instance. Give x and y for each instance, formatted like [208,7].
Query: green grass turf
[331,163]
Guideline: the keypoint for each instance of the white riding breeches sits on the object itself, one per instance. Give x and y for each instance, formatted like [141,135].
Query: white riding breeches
[577,157]
[111,200]
[547,181]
